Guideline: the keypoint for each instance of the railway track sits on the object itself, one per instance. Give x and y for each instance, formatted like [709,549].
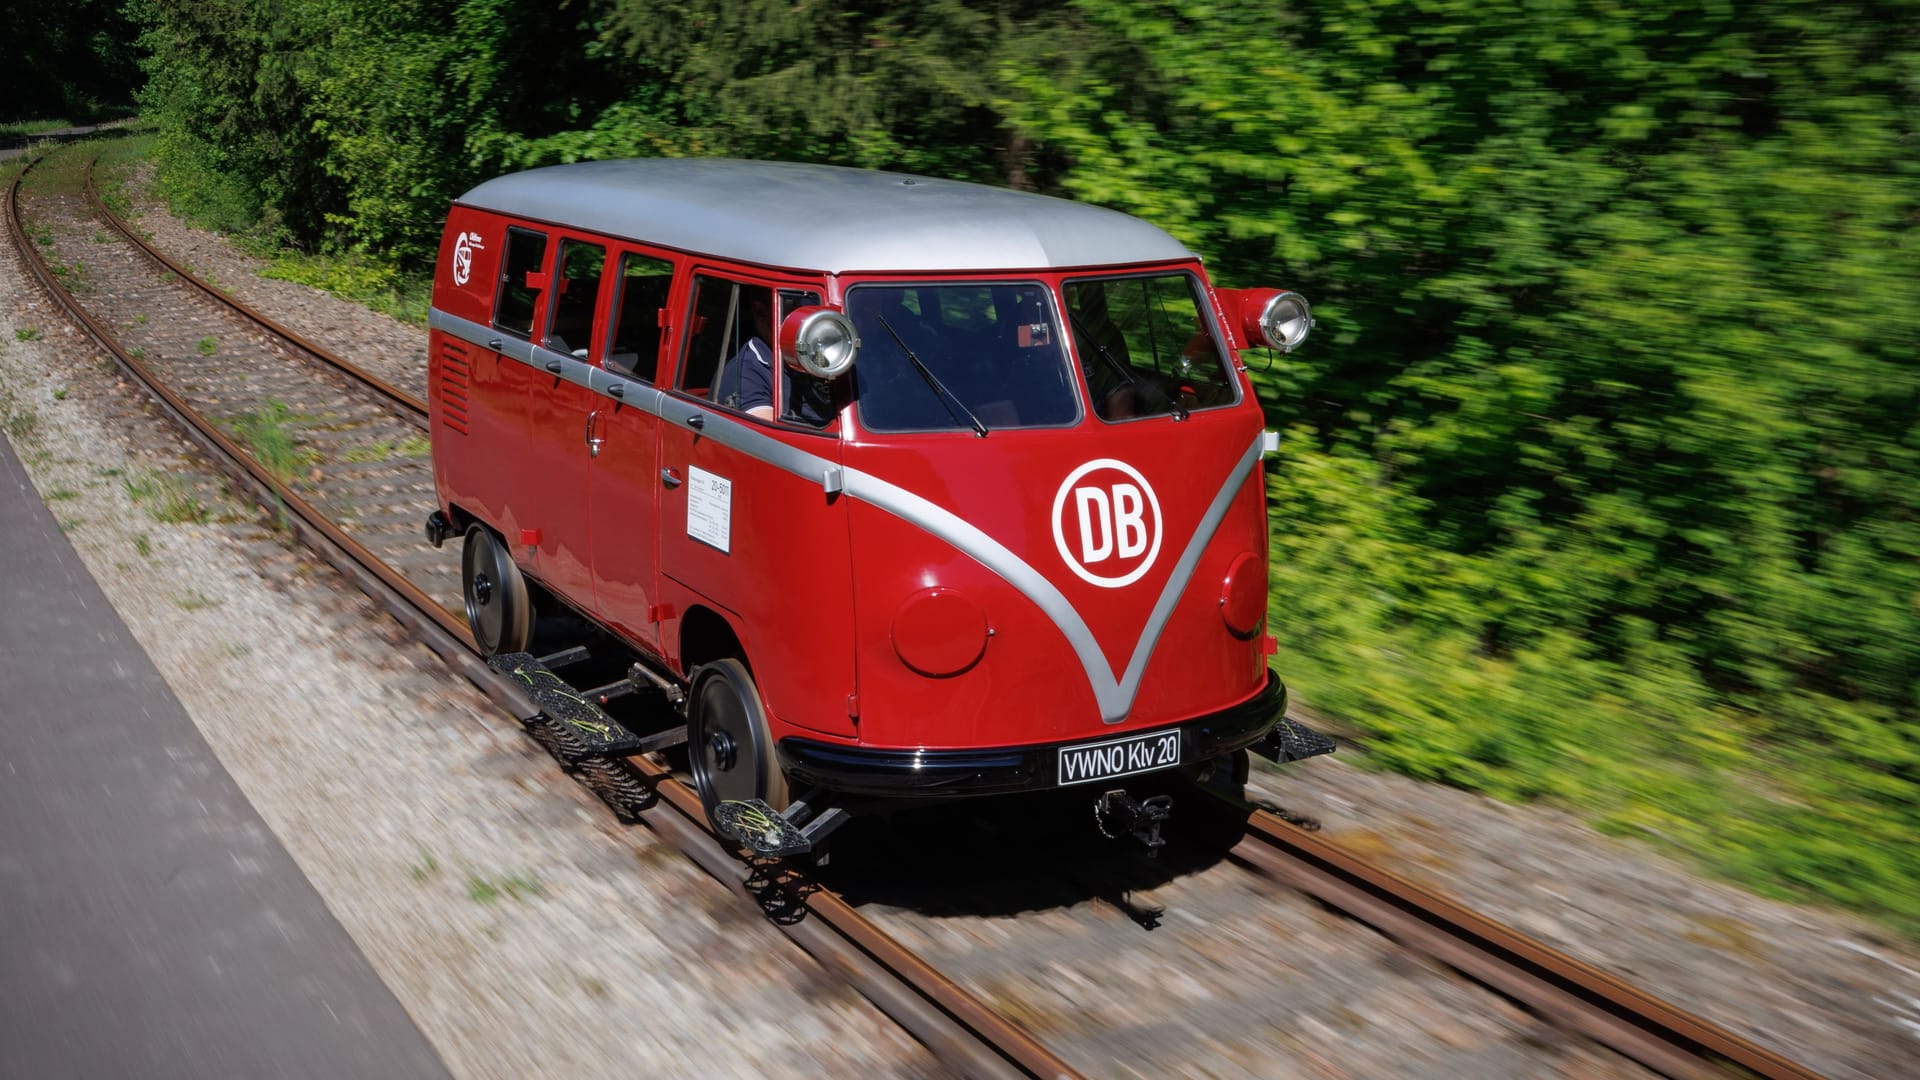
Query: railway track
[363,516]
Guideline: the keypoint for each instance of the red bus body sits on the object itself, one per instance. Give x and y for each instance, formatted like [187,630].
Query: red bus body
[924,611]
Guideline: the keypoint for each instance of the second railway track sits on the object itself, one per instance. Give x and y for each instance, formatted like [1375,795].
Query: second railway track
[356,463]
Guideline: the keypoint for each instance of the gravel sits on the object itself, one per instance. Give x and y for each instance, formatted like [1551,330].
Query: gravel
[503,907]
[525,931]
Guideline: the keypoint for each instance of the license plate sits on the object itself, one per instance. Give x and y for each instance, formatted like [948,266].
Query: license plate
[1109,758]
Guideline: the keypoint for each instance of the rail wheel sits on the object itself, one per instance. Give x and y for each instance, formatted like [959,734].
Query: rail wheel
[728,745]
[498,607]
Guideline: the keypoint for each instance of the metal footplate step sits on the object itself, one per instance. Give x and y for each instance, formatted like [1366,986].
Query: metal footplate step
[1290,740]
[589,729]
[760,828]
[776,834]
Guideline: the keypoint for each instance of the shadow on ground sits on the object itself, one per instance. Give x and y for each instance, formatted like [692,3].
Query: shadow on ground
[1003,856]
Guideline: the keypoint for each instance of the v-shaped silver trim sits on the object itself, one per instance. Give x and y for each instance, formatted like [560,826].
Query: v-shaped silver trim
[1113,694]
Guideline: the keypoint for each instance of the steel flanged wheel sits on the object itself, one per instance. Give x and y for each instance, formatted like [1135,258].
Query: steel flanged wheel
[728,744]
[499,610]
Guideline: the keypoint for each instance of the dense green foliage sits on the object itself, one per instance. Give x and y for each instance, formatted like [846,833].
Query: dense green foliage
[73,60]
[1600,480]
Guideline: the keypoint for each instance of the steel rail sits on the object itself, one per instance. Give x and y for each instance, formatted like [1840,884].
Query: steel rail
[957,1026]
[1569,992]
[953,1023]
[414,408]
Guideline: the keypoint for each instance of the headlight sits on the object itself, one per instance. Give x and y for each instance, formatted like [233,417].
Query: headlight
[819,341]
[1285,320]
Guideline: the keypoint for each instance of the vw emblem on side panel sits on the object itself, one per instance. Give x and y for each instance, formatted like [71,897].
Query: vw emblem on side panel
[1106,523]
[463,249]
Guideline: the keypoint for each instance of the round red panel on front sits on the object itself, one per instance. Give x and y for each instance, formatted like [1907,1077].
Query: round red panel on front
[939,632]
[1243,595]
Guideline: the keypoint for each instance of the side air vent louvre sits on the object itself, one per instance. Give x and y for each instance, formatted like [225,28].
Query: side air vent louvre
[456,372]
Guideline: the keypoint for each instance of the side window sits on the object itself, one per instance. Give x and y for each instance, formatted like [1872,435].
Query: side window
[575,296]
[639,297]
[729,357]
[520,282]
[803,398]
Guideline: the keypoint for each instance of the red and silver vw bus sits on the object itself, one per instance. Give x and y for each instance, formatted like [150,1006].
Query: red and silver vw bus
[909,488]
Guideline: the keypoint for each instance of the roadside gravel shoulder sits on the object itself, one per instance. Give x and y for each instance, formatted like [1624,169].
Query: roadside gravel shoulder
[308,715]
[525,931]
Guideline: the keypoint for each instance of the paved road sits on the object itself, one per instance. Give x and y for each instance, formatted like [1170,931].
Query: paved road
[150,924]
[15,147]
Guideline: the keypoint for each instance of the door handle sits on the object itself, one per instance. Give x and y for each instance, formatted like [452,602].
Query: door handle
[670,478]
[697,421]
[593,442]
[554,366]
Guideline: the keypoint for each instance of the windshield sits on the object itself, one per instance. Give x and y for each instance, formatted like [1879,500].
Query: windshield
[978,357]
[1146,348]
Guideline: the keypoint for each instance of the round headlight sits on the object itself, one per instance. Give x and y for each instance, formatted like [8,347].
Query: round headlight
[1285,320]
[825,344]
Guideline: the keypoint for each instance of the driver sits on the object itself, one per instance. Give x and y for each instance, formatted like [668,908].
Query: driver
[747,382]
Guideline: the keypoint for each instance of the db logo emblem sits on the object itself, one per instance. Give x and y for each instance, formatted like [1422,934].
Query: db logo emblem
[1106,523]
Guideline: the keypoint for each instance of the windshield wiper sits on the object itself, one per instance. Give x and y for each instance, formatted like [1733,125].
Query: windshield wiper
[946,396]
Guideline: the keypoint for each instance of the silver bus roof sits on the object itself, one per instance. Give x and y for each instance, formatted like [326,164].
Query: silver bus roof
[824,217]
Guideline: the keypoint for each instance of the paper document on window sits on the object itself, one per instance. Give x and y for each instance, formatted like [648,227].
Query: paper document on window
[710,508]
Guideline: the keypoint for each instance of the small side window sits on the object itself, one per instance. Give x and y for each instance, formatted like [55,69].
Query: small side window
[639,297]
[729,358]
[576,296]
[520,282]
[803,398]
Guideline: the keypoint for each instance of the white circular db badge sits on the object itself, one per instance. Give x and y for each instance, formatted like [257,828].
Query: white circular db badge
[1106,523]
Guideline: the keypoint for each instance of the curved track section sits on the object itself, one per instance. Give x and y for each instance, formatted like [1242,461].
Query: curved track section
[960,1029]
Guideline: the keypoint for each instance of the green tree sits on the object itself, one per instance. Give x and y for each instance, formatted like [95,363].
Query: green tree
[71,60]
[1607,445]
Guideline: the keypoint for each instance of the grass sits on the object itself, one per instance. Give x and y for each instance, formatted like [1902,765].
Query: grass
[22,422]
[426,868]
[60,393]
[410,447]
[27,333]
[516,886]
[208,345]
[194,601]
[166,500]
[380,287]
[143,545]
[73,276]
[61,495]
[267,432]
[20,129]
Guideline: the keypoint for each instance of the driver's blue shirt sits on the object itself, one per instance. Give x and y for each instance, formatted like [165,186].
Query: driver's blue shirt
[747,383]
